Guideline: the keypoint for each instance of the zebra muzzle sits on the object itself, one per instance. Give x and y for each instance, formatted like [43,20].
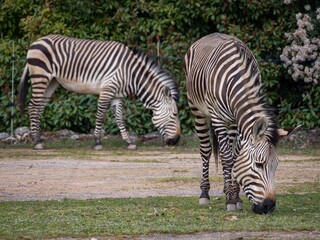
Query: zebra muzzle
[267,206]
[173,141]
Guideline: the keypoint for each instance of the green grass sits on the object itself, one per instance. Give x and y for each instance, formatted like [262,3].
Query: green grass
[177,179]
[304,187]
[289,149]
[178,215]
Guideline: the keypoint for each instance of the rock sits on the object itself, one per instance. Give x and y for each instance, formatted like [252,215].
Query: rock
[134,137]
[10,140]
[4,136]
[151,135]
[43,138]
[22,133]
[304,138]
[85,136]
[75,137]
[65,133]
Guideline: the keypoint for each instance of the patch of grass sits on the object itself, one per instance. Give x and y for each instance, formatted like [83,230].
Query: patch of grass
[289,149]
[137,161]
[177,215]
[187,144]
[47,154]
[302,187]
[188,179]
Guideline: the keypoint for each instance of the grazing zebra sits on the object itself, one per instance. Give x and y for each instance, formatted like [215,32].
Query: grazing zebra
[105,68]
[224,93]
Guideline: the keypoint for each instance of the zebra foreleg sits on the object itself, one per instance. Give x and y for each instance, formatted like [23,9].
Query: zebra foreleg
[231,187]
[117,106]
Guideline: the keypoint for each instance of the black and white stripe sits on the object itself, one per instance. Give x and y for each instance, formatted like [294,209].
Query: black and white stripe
[224,92]
[105,68]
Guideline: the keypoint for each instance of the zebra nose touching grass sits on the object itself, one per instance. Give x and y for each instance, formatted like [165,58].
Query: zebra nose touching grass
[105,68]
[224,91]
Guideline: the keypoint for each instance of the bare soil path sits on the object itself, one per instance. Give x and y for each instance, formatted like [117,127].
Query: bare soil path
[50,174]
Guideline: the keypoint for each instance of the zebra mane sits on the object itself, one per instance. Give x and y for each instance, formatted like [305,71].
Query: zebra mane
[272,130]
[266,109]
[151,63]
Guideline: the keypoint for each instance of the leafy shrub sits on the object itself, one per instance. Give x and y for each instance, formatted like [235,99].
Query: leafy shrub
[164,29]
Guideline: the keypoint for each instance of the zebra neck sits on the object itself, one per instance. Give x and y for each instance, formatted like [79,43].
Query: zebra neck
[148,80]
[147,83]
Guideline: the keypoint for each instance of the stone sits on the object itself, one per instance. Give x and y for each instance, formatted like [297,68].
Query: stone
[22,133]
[4,136]
[10,140]
[151,135]
[65,133]
[134,137]
[75,137]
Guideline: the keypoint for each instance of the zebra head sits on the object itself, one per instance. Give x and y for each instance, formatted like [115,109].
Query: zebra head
[165,117]
[255,167]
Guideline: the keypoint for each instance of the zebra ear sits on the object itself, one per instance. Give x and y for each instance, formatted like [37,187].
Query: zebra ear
[167,93]
[259,127]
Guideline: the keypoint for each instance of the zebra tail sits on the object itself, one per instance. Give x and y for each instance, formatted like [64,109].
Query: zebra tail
[215,145]
[23,90]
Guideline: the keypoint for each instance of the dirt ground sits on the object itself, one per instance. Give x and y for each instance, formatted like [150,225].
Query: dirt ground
[125,174]
[118,174]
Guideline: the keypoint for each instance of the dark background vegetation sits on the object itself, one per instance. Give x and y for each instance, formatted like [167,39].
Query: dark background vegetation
[165,30]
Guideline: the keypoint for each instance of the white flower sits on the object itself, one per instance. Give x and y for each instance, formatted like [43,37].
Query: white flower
[307,7]
[298,16]
[318,14]
[302,57]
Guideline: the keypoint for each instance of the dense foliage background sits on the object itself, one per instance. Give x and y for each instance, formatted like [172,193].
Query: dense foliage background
[164,29]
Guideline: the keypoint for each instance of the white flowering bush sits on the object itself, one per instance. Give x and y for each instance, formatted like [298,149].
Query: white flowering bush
[302,56]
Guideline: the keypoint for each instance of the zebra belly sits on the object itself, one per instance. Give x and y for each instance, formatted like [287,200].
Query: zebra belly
[81,87]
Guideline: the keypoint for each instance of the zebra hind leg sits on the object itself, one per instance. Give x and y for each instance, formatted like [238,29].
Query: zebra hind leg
[202,129]
[36,107]
[35,112]
[205,183]
[117,106]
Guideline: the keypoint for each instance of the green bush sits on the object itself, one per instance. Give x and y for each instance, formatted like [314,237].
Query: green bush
[164,29]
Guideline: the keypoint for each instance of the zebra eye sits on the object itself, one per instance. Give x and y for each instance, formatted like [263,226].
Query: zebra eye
[259,165]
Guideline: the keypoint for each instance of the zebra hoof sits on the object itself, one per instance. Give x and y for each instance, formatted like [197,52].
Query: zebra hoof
[38,146]
[204,201]
[231,207]
[98,147]
[239,206]
[132,147]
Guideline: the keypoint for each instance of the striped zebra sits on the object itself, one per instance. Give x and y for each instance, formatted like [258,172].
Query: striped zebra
[105,68]
[225,96]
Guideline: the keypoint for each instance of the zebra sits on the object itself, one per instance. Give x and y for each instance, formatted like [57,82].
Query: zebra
[225,95]
[108,69]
